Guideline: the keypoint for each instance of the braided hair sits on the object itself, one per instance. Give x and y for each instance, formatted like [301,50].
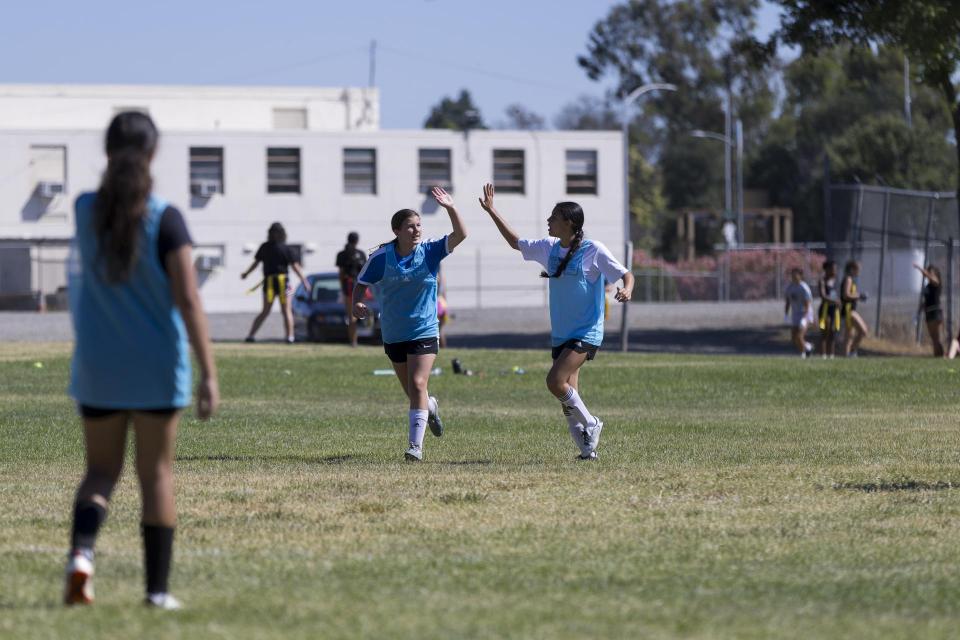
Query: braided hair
[572,213]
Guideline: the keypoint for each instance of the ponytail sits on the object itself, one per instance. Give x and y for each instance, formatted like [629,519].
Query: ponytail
[577,239]
[572,213]
[121,203]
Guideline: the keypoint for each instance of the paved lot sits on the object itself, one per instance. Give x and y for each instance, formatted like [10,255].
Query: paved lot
[732,327]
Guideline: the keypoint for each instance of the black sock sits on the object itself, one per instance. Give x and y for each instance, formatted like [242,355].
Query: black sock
[87,518]
[157,554]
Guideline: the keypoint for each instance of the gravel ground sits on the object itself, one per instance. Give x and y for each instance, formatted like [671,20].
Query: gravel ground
[732,327]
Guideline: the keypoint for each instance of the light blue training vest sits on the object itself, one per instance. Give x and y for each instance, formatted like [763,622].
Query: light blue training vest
[576,305]
[131,343]
[408,298]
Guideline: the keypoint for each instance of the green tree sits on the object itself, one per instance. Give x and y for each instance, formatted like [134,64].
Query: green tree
[847,103]
[706,48]
[925,30]
[460,114]
[519,117]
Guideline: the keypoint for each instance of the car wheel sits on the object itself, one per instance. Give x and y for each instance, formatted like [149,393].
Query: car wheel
[314,331]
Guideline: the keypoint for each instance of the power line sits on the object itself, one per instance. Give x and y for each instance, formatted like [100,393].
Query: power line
[295,65]
[433,59]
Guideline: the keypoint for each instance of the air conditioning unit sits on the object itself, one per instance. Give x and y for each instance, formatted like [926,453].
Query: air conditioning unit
[50,189]
[205,188]
[207,262]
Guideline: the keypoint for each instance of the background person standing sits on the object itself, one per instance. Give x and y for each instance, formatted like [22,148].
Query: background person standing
[349,263]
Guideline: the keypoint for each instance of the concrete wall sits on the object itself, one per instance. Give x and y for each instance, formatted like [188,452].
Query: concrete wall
[186,108]
[483,271]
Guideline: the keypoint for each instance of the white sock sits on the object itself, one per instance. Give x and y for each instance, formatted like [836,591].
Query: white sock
[418,426]
[575,427]
[575,404]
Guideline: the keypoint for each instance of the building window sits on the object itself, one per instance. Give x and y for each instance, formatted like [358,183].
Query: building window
[48,165]
[508,170]
[360,171]
[289,118]
[581,171]
[283,170]
[435,170]
[206,171]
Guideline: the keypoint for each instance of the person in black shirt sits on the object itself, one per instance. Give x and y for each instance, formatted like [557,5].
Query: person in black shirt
[349,263]
[930,305]
[277,258]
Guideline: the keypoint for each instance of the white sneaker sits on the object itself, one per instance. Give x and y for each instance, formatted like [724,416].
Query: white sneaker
[163,601]
[79,578]
[591,456]
[433,417]
[591,435]
[414,453]
[580,439]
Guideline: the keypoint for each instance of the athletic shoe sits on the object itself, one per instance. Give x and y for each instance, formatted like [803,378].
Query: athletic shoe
[79,578]
[249,339]
[414,453]
[290,340]
[163,601]
[591,456]
[591,435]
[433,417]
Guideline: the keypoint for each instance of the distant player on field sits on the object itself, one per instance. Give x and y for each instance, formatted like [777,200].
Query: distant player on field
[854,326]
[277,258]
[829,314]
[349,263]
[576,268]
[404,274]
[799,311]
[134,303]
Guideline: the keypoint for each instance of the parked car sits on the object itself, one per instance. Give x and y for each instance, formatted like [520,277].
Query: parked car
[322,316]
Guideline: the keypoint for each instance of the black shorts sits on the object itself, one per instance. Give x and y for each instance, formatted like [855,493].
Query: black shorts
[96,412]
[578,346]
[934,315]
[398,351]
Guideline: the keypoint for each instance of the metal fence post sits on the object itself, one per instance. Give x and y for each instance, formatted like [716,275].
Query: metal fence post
[855,227]
[926,254]
[778,276]
[949,292]
[479,283]
[883,257]
[624,325]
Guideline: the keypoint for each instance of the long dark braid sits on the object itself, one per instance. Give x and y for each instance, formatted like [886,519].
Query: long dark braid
[573,213]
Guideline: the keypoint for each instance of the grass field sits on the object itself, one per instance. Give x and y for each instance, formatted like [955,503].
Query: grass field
[734,497]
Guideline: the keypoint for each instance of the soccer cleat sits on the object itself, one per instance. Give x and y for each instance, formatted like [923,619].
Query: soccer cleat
[249,339]
[433,417]
[79,578]
[163,601]
[591,456]
[414,453]
[591,435]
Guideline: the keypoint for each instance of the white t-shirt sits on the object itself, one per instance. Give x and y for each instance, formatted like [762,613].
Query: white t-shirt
[798,295]
[597,259]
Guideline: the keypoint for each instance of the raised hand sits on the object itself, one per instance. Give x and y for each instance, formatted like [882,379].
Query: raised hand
[443,198]
[487,200]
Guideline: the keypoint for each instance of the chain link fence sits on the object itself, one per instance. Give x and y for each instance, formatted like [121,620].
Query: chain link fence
[888,231]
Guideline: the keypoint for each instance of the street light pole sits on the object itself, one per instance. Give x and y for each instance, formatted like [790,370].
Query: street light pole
[731,145]
[628,102]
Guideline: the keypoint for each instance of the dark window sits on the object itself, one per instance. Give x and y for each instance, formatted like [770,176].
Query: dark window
[360,171]
[283,170]
[581,171]
[435,170]
[508,170]
[206,171]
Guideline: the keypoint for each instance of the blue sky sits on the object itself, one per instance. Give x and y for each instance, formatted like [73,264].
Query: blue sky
[503,51]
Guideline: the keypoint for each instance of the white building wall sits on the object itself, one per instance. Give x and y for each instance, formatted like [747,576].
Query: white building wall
[482,271]
[186,108]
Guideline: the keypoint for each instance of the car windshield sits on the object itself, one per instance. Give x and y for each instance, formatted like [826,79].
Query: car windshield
[325,289]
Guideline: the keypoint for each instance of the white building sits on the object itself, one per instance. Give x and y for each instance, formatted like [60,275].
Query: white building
[235,160]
